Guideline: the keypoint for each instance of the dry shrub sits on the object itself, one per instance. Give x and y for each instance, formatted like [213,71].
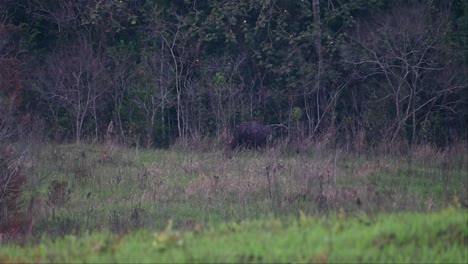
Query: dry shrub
[200,186]
[321,146]
[155,171]
[242,186]
[197,142]
[191,167]
[458,154]
[18,229]
[58,194]
[395,148]
[81,171]
[369,168]
[426,153]
[108,151]
[342,196]
[327,139]
[12,182]
[225,138]
[296,145]
[365,197]
[15,224]
[359,143]
[458,148]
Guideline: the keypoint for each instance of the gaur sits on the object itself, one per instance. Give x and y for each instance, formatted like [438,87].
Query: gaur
[251,135]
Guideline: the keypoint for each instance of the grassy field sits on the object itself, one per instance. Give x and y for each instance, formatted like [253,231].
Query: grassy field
[99,198]
[399,237]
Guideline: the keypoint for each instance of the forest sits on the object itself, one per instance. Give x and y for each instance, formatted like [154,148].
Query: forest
[150,73]
[125,128]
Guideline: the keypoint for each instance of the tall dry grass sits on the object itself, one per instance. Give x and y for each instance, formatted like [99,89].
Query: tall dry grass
[111,186]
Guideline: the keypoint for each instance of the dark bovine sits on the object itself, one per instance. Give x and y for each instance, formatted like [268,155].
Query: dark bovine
[250,135]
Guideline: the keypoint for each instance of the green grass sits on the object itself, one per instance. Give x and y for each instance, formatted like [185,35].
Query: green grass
[422,181]
[438,237]
[242,206]
[146,188]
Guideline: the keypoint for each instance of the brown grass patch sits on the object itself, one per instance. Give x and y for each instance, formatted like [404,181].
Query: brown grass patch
[206,186]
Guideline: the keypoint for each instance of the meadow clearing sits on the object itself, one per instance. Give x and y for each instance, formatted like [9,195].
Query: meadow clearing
[203,203]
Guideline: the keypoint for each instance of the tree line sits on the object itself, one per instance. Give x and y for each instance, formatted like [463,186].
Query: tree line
[150,72]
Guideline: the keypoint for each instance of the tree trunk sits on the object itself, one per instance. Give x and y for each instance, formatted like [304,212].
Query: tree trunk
[318,48]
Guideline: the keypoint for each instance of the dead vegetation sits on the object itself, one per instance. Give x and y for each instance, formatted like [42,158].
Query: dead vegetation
[136,188]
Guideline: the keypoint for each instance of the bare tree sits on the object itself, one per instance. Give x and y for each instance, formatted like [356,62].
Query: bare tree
[75,79]
[64,14]
[123,75]
[10,75]
[152,91]
[224,90]
[405,50]
[177,49]
[318,78]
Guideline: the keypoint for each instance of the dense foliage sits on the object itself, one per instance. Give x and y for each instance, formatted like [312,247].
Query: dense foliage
[149,72]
